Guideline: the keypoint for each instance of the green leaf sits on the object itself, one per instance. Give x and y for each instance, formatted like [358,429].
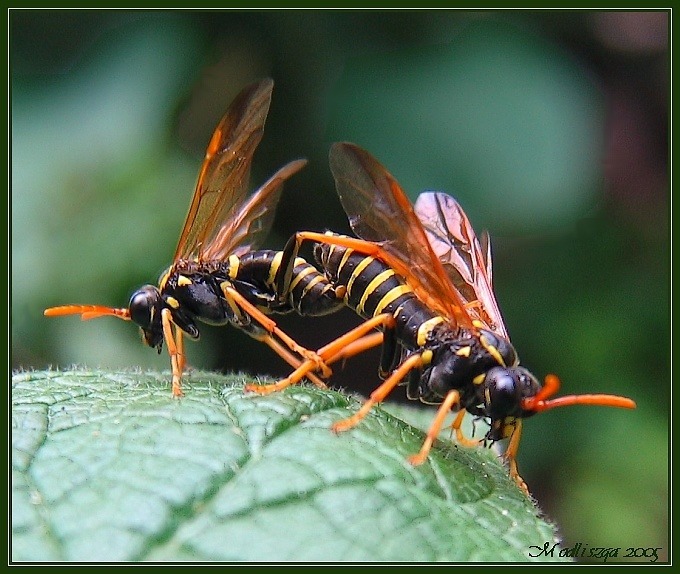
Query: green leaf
[108,467]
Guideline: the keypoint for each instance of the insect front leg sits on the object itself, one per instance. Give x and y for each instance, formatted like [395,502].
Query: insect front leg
[175,344]
[451,399]
[460,437]
[511,455]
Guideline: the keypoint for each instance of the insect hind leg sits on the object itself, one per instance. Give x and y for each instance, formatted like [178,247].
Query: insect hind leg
[351,343]
[451,399]
[287,356]
[379,394]
[245,312]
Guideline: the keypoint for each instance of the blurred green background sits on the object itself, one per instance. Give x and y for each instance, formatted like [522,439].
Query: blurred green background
[549,127]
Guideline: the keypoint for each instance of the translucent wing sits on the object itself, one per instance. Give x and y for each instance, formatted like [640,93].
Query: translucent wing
[223,180]
[466,261]
[379,211]
[245,228]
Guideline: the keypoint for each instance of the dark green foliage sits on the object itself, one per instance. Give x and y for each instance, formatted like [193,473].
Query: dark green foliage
[108,467]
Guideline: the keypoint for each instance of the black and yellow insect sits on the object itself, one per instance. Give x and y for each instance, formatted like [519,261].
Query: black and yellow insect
[420,274]
[216,276]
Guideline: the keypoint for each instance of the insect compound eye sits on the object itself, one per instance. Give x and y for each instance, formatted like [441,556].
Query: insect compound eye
[505,390]
[502,396]
[143,305]
[529,384]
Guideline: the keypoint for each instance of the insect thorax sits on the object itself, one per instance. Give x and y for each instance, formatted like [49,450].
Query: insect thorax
[460,358]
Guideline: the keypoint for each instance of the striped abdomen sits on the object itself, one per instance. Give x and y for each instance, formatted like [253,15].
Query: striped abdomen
[309,293]
[373,288]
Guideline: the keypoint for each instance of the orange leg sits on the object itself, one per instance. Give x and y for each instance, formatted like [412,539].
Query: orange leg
[357,347]
[291,359]
[270,326]
[175,350]
[460,437]
[355,340]
[511,456]
[449,402]
[451,399]
[175,346]
[181,356]
[379,394]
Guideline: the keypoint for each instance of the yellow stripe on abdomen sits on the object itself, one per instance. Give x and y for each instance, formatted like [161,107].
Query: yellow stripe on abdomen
[365,262]
[300,276]
[392,295]
[376,282]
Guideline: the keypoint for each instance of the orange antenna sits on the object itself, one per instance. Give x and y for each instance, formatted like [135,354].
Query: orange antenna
[541,402]
[87,312]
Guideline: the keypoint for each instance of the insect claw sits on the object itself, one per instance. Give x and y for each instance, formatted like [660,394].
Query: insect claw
[418,459]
